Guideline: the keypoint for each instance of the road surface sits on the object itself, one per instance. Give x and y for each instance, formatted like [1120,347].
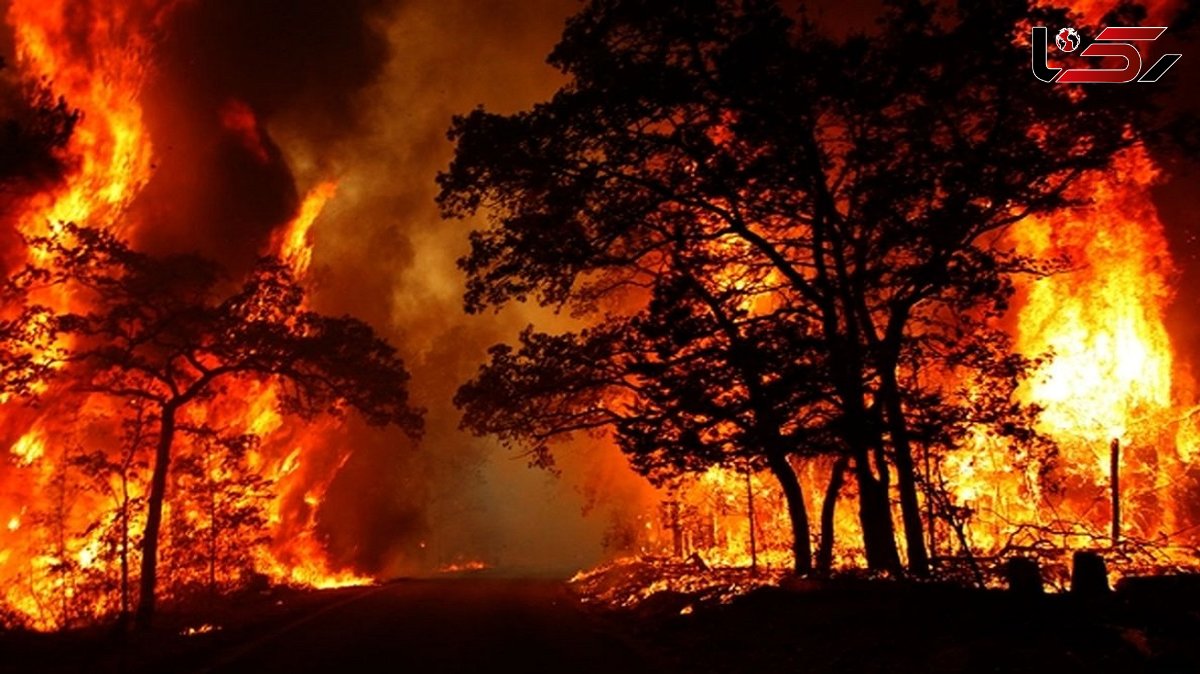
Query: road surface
[441,626]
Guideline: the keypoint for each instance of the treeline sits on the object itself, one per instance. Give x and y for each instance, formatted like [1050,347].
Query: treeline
[788,246]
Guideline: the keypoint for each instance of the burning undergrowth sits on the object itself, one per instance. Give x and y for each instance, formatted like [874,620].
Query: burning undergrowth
[653,583]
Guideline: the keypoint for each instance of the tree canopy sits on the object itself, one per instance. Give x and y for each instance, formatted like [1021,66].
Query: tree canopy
[33,127]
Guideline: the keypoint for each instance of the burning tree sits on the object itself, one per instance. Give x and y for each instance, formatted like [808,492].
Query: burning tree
[172,335]
[225,509]
[114,476]
[863,187]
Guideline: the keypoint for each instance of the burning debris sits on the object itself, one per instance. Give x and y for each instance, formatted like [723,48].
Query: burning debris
[199,630]
[627,583]
[467,567]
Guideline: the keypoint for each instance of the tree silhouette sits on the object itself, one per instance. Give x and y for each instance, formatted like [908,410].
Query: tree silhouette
[114,474]
[224,507]
[172,333]
[696,380]
[871,179]
[33,125]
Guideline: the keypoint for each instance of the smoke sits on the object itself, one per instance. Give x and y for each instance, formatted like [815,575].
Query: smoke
[448,57]
[222,72]
[251,104]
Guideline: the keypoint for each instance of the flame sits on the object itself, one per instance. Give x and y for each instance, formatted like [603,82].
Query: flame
[198,630]
[96,57]
[1113,376]
[110,146]
[1112,367]
[464,567]
[1113,381]
[295,245]
[28,449]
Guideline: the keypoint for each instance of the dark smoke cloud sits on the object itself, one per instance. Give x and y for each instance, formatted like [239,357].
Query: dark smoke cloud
[212,192]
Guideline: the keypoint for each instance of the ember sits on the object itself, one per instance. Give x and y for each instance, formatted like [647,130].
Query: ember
[200,629]
[464,567]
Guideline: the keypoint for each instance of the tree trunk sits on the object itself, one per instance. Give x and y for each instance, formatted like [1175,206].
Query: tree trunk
[875,515]
[212,523]
[797,511]
[124,547]
[212,539]
[874,507]
[158,489]
[828,511]
[60,531]
[1115,477]
[750,522]
[910,508]
[676,528]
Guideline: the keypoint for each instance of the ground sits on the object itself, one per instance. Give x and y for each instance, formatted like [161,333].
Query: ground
[479,624]
[873,627]
[460,625]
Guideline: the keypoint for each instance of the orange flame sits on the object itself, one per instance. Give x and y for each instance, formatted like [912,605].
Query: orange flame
[51,554]
[1113,376]
[295,245]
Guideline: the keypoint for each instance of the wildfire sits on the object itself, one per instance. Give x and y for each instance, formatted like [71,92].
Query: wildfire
[1112,391]
[1115,399]
[58,564]
[1112,394]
